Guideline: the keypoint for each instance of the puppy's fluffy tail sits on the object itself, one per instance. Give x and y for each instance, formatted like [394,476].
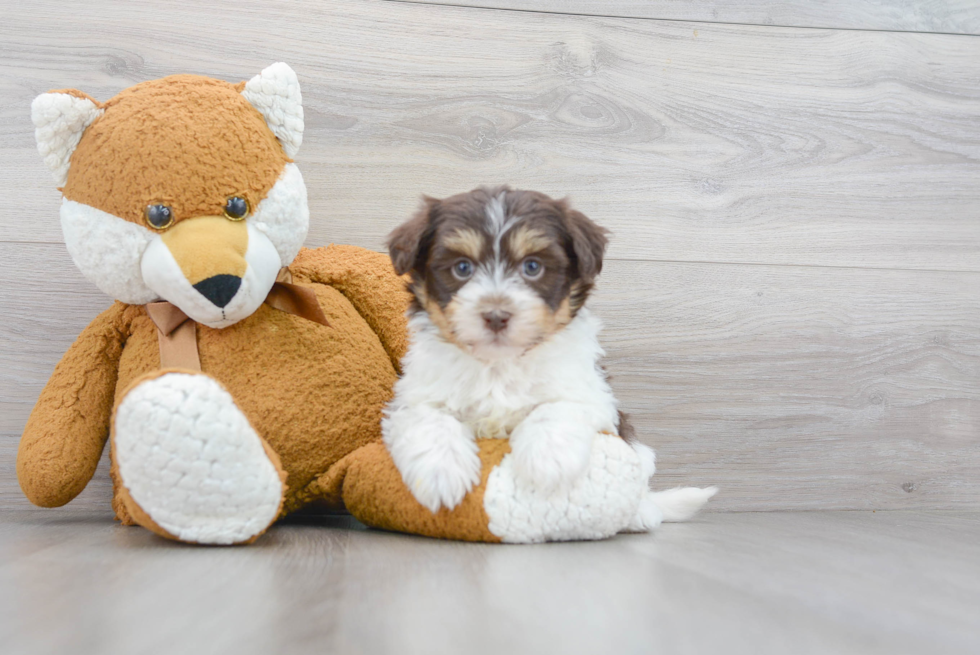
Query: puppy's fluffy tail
[672,505]
[680,503]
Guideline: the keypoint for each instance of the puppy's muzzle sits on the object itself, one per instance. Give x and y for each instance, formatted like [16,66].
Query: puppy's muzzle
[496,320]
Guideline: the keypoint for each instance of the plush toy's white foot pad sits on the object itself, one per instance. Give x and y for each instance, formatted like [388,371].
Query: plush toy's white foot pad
[191,460]
[598,505]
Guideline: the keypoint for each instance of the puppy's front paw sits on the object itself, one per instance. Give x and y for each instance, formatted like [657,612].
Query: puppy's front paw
[549,455]
[436,455]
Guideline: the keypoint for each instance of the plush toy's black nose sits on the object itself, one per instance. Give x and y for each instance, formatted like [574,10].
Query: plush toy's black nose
[219,289]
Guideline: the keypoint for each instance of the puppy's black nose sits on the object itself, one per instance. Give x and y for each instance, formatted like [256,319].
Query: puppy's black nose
[496,321]
[219,289]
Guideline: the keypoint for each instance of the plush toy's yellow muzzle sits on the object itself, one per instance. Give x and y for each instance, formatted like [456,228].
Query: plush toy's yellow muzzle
[210,251]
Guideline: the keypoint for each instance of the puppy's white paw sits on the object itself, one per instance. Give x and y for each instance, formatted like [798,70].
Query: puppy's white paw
[435,453]
[549,454]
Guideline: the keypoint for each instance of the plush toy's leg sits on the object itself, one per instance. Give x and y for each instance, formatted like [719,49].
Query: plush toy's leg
[371,488]
[502,507]
[190,465]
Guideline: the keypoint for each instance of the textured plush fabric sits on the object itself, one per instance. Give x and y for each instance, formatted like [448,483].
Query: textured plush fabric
[372,490]
[64,435]
[315,393]
[59,119]
[190,462]
[195,160]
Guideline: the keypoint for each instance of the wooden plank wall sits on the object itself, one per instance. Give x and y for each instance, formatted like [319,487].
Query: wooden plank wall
[933,16]
[792,295]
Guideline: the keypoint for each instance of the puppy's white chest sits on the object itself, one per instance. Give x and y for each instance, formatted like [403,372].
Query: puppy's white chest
[500,399]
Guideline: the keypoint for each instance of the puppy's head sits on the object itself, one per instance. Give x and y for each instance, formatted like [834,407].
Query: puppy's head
[498,270]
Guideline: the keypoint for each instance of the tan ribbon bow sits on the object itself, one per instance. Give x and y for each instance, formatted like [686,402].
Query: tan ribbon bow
[177,333]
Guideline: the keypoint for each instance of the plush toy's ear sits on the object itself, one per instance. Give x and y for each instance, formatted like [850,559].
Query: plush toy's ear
[60,118]
[275,93]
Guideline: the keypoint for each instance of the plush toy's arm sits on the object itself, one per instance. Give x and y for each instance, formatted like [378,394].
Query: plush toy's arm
[67,429]
[368,280]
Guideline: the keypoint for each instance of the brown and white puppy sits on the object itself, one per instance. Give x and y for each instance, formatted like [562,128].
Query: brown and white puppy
[498,271]
[502,345]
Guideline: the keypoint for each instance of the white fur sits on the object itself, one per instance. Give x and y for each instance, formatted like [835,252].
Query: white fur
[59,121]
[542,389]
[551,446]
[110,252]
[192,461]
[162,274]
[284,215]
[555,405]
[492,289]
[551,401]
[438,455]
[275,93]
[107,250]
[681,503]
[597,505]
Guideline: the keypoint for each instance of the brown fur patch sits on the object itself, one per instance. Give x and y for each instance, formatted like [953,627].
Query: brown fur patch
[185,141]
[467,242]
[626,430]
[440,318]
[526,240]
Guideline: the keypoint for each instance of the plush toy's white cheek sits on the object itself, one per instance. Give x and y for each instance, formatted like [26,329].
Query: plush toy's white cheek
[284,215]
[107,250]
[116,256]
[163,274]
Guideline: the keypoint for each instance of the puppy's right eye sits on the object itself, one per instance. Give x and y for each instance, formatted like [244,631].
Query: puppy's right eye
[463,269]
[159,217]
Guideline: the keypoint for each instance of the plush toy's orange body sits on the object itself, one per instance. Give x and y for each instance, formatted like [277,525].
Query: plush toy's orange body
[310,393]
[239,377]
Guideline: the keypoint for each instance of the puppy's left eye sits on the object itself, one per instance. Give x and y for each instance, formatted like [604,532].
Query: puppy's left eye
[236,208]
[532,268]
[463,269]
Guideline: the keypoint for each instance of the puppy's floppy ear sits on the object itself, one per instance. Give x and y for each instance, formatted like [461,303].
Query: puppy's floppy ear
[588,242]
[408,243]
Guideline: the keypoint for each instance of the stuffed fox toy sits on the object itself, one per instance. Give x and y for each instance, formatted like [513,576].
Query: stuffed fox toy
[239,377]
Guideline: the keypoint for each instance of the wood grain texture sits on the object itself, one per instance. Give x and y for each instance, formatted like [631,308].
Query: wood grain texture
[942,16]
[692,142]
[789,387]
[774,583]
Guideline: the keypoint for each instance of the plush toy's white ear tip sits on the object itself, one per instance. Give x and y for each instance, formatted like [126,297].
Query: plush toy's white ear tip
[275,93]
[59,121]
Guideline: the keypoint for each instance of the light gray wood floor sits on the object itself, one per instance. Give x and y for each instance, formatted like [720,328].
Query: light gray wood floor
[754,583]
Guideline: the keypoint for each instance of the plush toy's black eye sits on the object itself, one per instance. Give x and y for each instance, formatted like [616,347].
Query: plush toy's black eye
[463,269]
[236,208]
[159,217]
[532,268]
